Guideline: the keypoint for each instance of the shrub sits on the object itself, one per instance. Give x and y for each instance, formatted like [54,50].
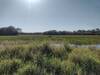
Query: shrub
[20,52]
[31,69]
[68,68]
[8,67]
[53,66]
[46,49]
[87,60]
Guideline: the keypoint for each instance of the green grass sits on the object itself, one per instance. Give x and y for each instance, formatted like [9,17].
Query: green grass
[48,55]
[77,39]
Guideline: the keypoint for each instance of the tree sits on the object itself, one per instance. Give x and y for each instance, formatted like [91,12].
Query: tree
[78,32]
[19,30]
[10,30]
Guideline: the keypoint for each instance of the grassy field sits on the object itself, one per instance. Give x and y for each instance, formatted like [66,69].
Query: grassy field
[49,55]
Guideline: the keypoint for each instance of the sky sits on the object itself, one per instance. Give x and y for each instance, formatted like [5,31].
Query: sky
[44,15]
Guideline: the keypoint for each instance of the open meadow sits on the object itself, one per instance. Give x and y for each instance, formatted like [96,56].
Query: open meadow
[49,55]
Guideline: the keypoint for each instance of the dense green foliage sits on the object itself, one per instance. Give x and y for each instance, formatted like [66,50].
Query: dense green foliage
[10,30]
[48,55]
[78,32]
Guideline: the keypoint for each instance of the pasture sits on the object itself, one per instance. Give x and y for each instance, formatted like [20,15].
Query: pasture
[49,55]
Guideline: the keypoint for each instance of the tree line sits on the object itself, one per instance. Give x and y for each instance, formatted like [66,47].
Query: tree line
[11,30]
[78,32]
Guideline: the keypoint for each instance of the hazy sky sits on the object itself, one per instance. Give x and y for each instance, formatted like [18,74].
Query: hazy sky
[42,15]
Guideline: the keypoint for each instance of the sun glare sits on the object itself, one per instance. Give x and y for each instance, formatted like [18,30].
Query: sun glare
[33,1]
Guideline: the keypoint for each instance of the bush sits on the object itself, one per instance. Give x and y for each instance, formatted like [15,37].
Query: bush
[53,66]
[20,52]
[8,67]
[56,50]
[68,68]
[87,60]
[31,69]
